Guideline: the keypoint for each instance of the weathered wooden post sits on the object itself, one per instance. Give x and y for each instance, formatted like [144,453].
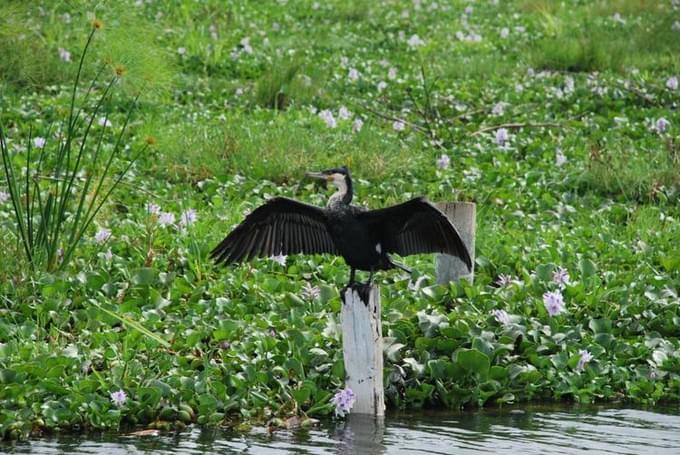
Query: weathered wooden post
[462,215]
[362,347]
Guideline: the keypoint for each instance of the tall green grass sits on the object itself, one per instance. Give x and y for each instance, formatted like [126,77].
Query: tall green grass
[589,39]
[27,58]
[627,173]
[57,194]
[274,146]
[285,83]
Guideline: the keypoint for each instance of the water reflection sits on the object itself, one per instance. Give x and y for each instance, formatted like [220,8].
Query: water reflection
[529,430]
[360,434]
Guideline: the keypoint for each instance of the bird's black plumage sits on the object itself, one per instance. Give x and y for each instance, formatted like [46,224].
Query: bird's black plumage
[364,238]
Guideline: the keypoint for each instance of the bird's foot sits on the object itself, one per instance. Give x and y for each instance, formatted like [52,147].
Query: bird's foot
[362,289]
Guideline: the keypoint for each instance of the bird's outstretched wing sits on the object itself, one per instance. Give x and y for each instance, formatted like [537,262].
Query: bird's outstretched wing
[414,227]
[279,226]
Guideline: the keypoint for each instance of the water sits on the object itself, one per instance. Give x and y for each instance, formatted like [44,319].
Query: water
[530,430]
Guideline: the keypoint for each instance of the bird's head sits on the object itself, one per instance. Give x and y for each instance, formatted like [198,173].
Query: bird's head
[338,176]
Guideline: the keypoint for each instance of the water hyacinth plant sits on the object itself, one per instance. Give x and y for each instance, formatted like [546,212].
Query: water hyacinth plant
[343,401]
[58,189]
[545,113]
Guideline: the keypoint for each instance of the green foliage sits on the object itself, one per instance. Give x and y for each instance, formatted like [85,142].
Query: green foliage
[28,59]
[53,206]
[586,182]
[589,40]
[633,172]
[283,84]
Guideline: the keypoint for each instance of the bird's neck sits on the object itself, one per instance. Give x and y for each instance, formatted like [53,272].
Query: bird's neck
[343,195]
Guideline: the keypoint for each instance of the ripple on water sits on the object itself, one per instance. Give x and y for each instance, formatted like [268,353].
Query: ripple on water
[533,430]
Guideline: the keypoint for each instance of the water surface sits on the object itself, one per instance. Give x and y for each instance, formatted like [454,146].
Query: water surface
[529,430]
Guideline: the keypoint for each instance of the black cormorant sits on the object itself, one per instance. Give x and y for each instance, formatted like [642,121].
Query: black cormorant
[364,238]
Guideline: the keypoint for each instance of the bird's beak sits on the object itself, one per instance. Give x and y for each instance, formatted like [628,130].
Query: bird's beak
[317,175]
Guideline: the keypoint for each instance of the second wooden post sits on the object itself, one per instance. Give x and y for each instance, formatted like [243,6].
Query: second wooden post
[463,217]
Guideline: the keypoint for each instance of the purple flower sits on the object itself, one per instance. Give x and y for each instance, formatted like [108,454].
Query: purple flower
[327,116]
[585,358]
[245,43]
[501,136]
[3,197]
[443,161]
[279,259]
[118,398]
[618,18]
[102,235]
[415,41]
[187,218]
[504,280]
[505,32]
[105,122]
[499,108]
[353,75]
[153,209]
[554,302]
[357,124]
[560,158]
[662,125]
[344,113]
[39,142]
[166,219]
[501,316]
[310,292]
[672,83]
[343,401]
[392,74]
[64,55]
[398,125]
[561,277]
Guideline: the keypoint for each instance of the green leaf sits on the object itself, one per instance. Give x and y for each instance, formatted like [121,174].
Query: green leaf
[301,395]
[498,373]
[482,345]
[7,376]
[294,365]
[144,276]
[417,367]
[587,268]
[600,325]
[506,398]
[474,361]
[135,325]
[392,351]
[544,272]
[226,330]
[439,368]
[430,323]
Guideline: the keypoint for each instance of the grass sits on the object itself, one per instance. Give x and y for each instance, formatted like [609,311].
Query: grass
[146,312]
[606,36]
[632,174]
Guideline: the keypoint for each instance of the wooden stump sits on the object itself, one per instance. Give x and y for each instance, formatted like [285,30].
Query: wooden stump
[462,215]
[362,347]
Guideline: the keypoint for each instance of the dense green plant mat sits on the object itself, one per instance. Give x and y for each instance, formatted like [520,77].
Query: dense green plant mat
[238,100]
